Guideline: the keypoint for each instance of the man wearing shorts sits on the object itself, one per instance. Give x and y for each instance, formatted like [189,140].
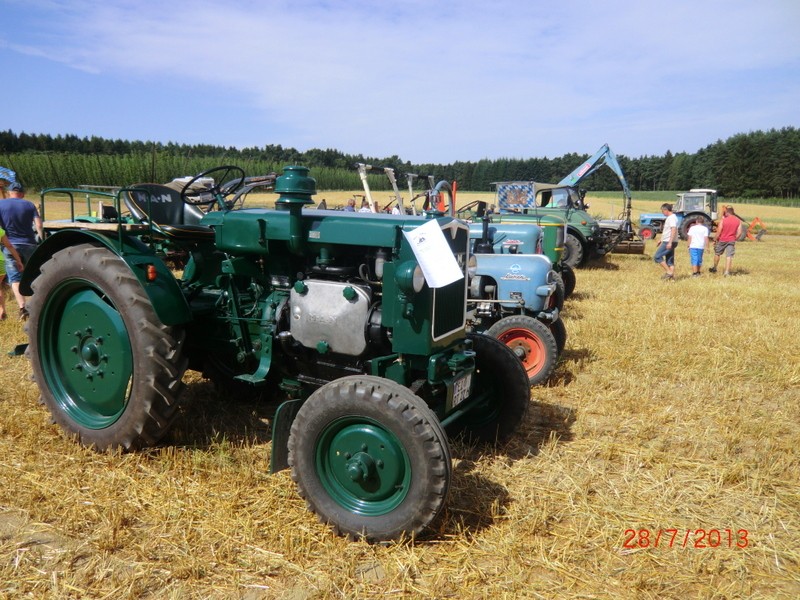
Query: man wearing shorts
[19,217]
[665,253]
[730,228]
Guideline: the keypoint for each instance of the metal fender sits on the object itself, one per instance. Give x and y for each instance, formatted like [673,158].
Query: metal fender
[164,292]
[522,279]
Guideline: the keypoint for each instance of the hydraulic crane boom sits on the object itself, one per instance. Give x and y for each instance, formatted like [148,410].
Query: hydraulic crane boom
[604,156]
[620,234]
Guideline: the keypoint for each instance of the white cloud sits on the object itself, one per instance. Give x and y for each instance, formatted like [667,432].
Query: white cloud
[441,81]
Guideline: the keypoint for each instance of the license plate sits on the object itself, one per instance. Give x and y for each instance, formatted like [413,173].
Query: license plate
[461,388]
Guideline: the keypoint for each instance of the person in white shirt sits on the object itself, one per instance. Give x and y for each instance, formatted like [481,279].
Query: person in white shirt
[698,243]
[665,253]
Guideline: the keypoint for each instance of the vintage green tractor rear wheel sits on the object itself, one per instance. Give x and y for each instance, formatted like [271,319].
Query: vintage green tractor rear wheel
[531,342]
[370,458]
[500,385]
[109,371]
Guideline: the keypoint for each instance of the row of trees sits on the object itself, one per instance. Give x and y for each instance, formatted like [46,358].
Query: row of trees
[749,165]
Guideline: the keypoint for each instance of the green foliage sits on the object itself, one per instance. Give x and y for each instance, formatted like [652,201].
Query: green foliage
[751,166]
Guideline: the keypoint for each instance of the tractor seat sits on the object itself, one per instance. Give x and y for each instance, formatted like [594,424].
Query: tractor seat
[175,218]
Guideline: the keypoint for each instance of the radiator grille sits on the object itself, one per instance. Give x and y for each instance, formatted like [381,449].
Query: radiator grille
[449,302]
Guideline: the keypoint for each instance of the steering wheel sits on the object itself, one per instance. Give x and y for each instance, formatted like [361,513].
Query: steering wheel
[475,210]
[227,179]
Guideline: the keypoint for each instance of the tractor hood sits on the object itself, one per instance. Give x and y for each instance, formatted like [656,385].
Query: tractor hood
[252,230]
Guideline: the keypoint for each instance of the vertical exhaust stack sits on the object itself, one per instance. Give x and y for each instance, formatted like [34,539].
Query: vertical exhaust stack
[295,188]
[485,245]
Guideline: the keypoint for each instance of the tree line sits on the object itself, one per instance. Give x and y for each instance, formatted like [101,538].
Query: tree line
[761,164]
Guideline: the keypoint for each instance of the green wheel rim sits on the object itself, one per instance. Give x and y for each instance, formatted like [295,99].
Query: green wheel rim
[363,466]
[85,354]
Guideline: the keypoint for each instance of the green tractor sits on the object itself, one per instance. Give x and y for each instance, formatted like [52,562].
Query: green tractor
[522,201]
[338,316]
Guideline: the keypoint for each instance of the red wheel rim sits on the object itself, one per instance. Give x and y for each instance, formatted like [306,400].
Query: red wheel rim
[646,234]
[528,348]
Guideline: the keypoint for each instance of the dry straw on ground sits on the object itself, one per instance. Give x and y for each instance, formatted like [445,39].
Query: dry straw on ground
[675,406]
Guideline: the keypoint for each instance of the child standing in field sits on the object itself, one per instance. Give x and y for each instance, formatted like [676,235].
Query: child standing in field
[13,251]
[698,244]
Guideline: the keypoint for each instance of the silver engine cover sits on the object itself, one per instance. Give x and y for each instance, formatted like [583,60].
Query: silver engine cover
[323,313]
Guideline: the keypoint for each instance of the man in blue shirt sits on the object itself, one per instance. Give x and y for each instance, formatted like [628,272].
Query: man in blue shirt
[19,217]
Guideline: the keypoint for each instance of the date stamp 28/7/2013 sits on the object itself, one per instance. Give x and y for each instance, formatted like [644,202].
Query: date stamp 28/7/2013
[685,538]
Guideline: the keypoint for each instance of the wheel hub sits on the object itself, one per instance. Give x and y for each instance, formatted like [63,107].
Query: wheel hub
[526,347]
[91,353]
[90,366]
[520,350]
[363,466]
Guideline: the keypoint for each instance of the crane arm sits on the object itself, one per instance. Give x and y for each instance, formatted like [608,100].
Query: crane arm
[604,156]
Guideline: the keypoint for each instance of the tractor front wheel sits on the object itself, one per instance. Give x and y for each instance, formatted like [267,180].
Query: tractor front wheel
[568,277]
[109,371]
[647,233]
[573,251]
[531,342]
[370,458]
[559,331]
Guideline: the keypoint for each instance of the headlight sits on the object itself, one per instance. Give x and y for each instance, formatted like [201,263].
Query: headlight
[409,277]
[472,266]
[419,279]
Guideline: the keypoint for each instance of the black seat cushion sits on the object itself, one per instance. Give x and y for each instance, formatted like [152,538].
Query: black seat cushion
[175,218]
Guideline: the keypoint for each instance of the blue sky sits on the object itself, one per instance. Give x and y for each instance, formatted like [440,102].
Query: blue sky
[430,81]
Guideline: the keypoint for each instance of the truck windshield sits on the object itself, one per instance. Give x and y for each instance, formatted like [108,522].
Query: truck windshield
[558,198]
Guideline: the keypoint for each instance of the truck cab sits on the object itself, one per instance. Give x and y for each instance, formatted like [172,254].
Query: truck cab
[524,201]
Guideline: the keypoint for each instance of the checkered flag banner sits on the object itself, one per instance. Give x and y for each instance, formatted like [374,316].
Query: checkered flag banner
[511,196]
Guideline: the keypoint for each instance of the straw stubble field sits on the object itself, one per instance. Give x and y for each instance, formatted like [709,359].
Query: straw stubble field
[673,414]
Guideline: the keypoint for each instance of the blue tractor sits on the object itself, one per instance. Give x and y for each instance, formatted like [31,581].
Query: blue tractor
[696,204]
[515,295]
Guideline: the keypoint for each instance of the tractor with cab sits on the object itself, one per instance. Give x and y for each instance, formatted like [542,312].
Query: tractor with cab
[696,204]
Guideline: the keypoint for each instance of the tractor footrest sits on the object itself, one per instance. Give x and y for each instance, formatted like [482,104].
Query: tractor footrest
[19,350]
